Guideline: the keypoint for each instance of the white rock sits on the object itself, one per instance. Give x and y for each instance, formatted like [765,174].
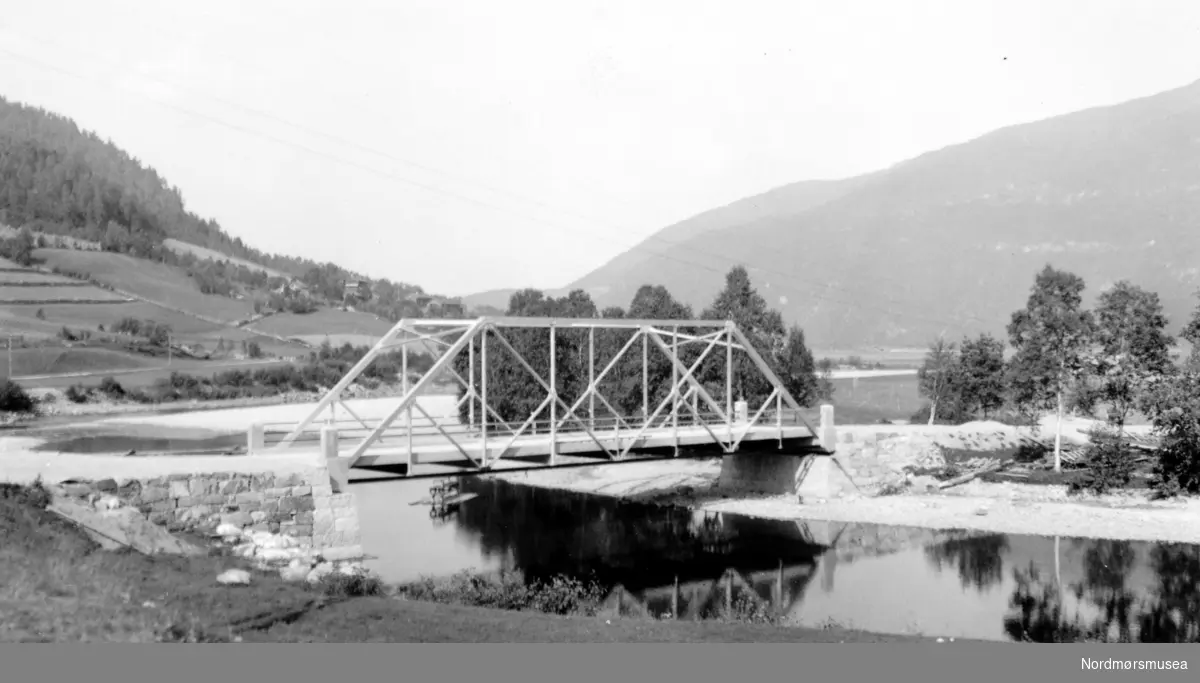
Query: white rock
[276,541]
[245,550]
[275,555]
[294,573]
[229,577]
[228,531]
[108,503]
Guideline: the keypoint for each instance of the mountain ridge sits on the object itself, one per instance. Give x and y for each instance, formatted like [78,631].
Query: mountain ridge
[948,241]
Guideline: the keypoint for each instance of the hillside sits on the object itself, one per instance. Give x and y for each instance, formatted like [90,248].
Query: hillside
[74,190]
[950,241]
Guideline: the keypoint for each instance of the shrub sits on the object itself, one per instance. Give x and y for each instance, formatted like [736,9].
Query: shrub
[112,388]
[355,585]
[1110,464]
[14,399]
[1174,406]
[34,495]
[510,591]
[77,393]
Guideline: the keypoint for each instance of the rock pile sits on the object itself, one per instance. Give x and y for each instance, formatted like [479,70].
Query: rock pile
[293,559]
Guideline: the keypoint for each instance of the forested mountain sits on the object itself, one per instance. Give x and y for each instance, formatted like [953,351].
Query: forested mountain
[58,179]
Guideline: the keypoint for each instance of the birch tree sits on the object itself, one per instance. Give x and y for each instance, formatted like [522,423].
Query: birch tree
[1051,337]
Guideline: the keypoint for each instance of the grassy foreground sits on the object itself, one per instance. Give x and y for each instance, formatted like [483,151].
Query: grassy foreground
[57,585]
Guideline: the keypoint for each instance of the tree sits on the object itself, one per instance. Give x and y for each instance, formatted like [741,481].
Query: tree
[798,371]
[19,249]
[1173,404]
[937,378]
[1051,336]
[1132,347]
[512,392]
[1191,334]
[981,374]
[741,303]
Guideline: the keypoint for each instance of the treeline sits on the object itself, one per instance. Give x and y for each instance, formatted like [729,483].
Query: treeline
[515,394]
[58,179]
[1064,359]
[323,369]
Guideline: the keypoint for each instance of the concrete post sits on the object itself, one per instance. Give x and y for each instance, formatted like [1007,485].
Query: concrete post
[257,438]
[339,470]
[828,433]
[741,412]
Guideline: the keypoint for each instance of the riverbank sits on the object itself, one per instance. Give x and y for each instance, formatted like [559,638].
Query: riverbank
[1012,508]
[57,585]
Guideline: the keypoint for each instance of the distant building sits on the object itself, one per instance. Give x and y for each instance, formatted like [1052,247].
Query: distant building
[290,288]
[356,289]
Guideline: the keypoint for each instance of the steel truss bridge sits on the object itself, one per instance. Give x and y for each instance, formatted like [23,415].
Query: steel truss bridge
[690,419]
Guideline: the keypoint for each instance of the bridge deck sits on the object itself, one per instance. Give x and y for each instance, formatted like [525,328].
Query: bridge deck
[433,450]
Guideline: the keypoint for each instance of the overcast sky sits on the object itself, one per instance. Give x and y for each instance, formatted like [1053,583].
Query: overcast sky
[478,144]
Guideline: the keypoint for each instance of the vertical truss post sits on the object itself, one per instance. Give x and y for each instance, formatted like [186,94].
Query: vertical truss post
[645,374]
[592,378]
[779,416]
[409,427]
[729,381]
[675,386]
[471,386]
[553,393]
[483,371]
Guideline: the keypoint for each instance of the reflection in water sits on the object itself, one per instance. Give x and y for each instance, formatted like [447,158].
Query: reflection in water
[660,560]
[979,560]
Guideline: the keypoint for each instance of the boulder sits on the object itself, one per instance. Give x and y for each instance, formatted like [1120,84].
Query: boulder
[234,577]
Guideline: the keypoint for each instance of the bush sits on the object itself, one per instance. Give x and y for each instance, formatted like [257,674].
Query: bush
[77,393]
[1110,464]
[14,399]
[358,584]
[1173,404]
[509,591]
[111,388]
[34,495]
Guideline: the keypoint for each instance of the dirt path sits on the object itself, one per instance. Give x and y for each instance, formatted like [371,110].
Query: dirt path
[1001,508]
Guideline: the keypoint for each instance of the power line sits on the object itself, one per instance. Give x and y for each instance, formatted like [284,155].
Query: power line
[338,159]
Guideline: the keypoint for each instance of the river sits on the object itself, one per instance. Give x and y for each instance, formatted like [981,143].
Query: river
[872,577]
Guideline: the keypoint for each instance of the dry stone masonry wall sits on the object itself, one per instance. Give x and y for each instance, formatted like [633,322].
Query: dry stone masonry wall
[868,461]
[293,522]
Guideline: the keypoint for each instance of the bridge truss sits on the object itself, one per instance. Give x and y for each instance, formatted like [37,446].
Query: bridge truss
[689,415]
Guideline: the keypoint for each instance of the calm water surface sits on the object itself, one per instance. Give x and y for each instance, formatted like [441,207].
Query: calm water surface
[879,578]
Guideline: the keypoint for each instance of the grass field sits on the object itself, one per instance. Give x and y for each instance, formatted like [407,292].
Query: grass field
[30,276]
[55,360]
[888,358]
[144,378]
[325,321]
[155,282]
[206,253]
[871,399]
[22,320]
[56,294]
